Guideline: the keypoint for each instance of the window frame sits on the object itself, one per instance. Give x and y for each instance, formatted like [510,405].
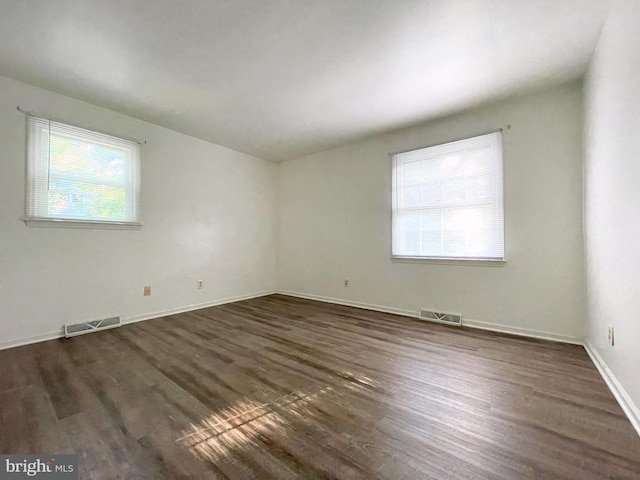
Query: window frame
[38,175]
[447,260]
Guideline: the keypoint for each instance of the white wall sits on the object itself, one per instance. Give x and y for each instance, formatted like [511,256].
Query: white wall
[612,199]
[208,213]
[335,220]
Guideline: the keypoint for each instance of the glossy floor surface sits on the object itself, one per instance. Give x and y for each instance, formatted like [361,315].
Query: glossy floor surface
[280,388]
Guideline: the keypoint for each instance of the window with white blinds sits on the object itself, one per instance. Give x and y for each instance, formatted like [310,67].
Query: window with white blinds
[447,201]
[79,176]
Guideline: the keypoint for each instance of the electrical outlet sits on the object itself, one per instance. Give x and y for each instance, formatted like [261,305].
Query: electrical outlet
[147,290]
[200,284]
[610,336]
[346,282]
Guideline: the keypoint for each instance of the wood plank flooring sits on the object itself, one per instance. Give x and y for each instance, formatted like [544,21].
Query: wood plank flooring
[284,388]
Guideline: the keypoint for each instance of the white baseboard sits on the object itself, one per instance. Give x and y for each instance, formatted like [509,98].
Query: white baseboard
[43,337]
[195,306]
[628,406]
[523,332]
[19,342]
[467,322]
[349,303]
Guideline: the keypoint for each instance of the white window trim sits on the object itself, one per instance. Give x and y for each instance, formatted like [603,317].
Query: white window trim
[470,262]
[60,222]
[435,260]
[68,223]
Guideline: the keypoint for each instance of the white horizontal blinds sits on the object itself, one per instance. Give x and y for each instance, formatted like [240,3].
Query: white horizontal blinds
[78,174]
[37,170]
[447,200]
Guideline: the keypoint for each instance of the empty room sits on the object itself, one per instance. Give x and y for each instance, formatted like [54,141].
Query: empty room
[334,239]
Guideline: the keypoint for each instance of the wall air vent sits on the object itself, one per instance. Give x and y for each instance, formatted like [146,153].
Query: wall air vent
[441,317]
[90,327]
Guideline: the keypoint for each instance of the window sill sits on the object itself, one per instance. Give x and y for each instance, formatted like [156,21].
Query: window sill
[66,223]
[460,262]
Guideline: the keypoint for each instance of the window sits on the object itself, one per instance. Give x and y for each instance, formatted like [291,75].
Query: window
[78,176]
[447,201]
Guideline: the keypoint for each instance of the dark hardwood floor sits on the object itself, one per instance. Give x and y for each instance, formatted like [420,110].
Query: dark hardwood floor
[280,388]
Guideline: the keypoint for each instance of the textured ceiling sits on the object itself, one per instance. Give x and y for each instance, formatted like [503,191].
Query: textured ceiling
[284,78]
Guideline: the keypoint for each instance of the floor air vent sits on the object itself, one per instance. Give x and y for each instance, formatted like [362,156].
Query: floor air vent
[90,327]
[441,317]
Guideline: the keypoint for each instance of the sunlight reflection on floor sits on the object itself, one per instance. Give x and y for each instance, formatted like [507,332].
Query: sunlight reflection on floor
[243,423]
